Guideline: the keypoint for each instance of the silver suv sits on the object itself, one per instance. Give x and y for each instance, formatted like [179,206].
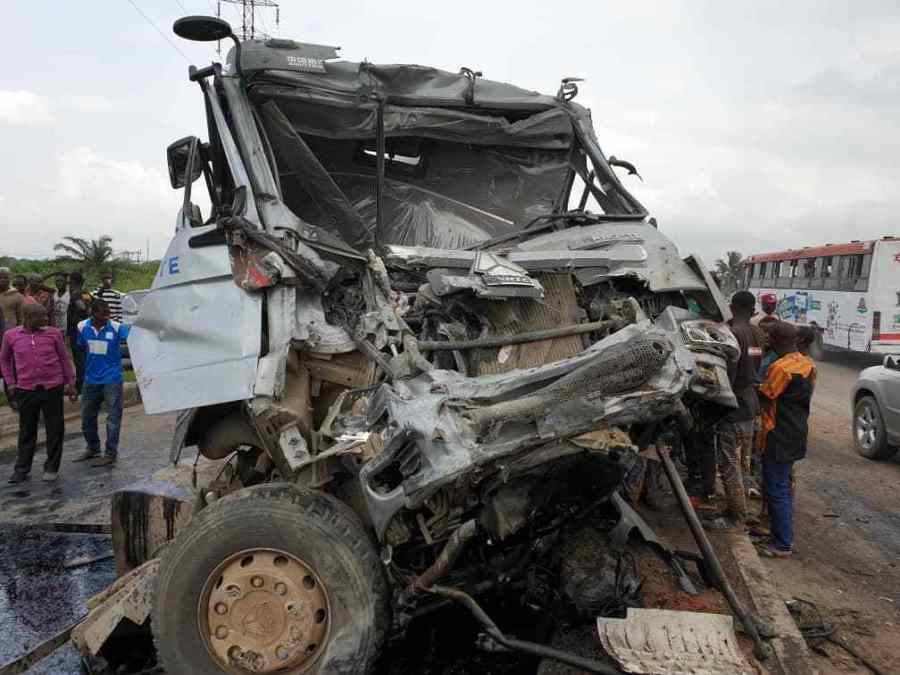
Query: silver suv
[876,410]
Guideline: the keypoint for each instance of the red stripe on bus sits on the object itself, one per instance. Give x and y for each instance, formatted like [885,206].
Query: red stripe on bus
[887,336]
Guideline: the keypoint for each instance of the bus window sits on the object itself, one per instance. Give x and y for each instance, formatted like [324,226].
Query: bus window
[854,266]
[828,266]
[867,265]
[859,271]
[764,270]
[808,268]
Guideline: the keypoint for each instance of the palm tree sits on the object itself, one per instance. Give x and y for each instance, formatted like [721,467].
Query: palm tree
[730,271]
[90,253]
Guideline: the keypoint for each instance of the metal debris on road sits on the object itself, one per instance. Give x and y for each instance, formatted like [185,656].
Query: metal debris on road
[673,642]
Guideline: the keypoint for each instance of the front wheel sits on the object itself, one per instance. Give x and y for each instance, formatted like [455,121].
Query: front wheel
[868,430]
[271,579]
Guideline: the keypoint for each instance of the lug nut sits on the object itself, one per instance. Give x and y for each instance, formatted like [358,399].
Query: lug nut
[282,652]
[280,588]
[257,582]
[221,608]
[222,632]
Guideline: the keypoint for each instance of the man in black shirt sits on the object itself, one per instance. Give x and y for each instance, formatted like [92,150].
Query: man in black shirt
[78,310]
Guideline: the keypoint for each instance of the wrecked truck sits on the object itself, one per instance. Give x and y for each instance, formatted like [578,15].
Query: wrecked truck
[422,326]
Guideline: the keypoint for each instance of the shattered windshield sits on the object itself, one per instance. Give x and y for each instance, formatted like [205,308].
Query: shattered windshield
[453,176]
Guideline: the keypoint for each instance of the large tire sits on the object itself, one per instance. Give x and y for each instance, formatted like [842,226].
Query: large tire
[310,529]
[869,434]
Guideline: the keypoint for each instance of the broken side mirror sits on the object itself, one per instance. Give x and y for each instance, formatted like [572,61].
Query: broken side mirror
[892,362]
[185,162]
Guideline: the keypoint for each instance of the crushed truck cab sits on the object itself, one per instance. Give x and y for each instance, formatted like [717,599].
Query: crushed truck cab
[423,326]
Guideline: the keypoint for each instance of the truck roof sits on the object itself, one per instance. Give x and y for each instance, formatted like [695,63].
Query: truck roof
[338,98]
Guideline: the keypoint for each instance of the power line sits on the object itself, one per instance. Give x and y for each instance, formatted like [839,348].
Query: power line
[157,29]
[183,8]
[248,12]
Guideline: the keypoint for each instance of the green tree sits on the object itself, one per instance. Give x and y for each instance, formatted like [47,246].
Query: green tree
[730,271]
[92,254]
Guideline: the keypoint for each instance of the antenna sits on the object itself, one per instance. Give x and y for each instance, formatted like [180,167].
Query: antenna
[248,10]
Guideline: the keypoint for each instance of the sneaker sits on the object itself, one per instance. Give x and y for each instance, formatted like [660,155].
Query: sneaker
[772,552]
[86,455]
[104,461]
[18,477]
[50,476]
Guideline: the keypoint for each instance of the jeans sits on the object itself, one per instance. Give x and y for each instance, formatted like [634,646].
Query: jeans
[92,395]
[780,500]
[31,404]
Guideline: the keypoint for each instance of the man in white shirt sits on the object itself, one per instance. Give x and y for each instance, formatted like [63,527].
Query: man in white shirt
[61,301]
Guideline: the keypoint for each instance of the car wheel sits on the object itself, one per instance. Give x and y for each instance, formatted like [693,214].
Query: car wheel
[271,579]
[868,430]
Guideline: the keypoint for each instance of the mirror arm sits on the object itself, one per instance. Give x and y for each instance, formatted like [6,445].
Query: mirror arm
[188,173]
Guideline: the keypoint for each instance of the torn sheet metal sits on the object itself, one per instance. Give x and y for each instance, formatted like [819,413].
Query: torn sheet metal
[131,597]
[546,259]
[676,643]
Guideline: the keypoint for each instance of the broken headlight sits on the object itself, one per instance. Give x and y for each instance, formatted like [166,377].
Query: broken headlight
[711,336]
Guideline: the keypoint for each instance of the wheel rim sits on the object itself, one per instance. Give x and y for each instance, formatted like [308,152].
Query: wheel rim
[866,428]
[264,611]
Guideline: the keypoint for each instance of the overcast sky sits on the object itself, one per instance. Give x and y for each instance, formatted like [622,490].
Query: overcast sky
[755,125]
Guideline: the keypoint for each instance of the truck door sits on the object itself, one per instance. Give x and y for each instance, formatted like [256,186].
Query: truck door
[197,337]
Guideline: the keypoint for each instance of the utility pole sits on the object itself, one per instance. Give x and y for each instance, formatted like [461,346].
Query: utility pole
[248,17]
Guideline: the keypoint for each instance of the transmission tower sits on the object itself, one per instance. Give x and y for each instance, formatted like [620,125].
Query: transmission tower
[248,16]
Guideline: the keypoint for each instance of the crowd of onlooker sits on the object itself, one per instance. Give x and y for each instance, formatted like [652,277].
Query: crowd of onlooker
[753,449]
[61,341]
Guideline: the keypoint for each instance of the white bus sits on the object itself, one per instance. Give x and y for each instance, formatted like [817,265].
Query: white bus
[850,293]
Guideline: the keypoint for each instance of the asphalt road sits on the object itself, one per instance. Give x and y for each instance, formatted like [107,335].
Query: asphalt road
[847,521]
[39,596]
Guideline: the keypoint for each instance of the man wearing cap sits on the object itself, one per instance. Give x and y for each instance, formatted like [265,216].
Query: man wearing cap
[768,302]
[785,395]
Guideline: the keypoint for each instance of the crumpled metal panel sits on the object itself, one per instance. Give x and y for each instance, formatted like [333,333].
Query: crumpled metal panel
[662,267]
[672,642]
[130,597]
[434,417]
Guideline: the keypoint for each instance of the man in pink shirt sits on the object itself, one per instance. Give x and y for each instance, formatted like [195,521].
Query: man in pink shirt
[37,368]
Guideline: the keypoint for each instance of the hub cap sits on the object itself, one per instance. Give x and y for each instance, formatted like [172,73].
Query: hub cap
[264,611]
[866,428]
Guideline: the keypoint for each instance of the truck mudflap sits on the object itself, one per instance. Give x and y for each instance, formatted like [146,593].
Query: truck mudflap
[130,597]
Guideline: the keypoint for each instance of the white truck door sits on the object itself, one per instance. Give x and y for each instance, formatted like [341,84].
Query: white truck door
[197,337]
